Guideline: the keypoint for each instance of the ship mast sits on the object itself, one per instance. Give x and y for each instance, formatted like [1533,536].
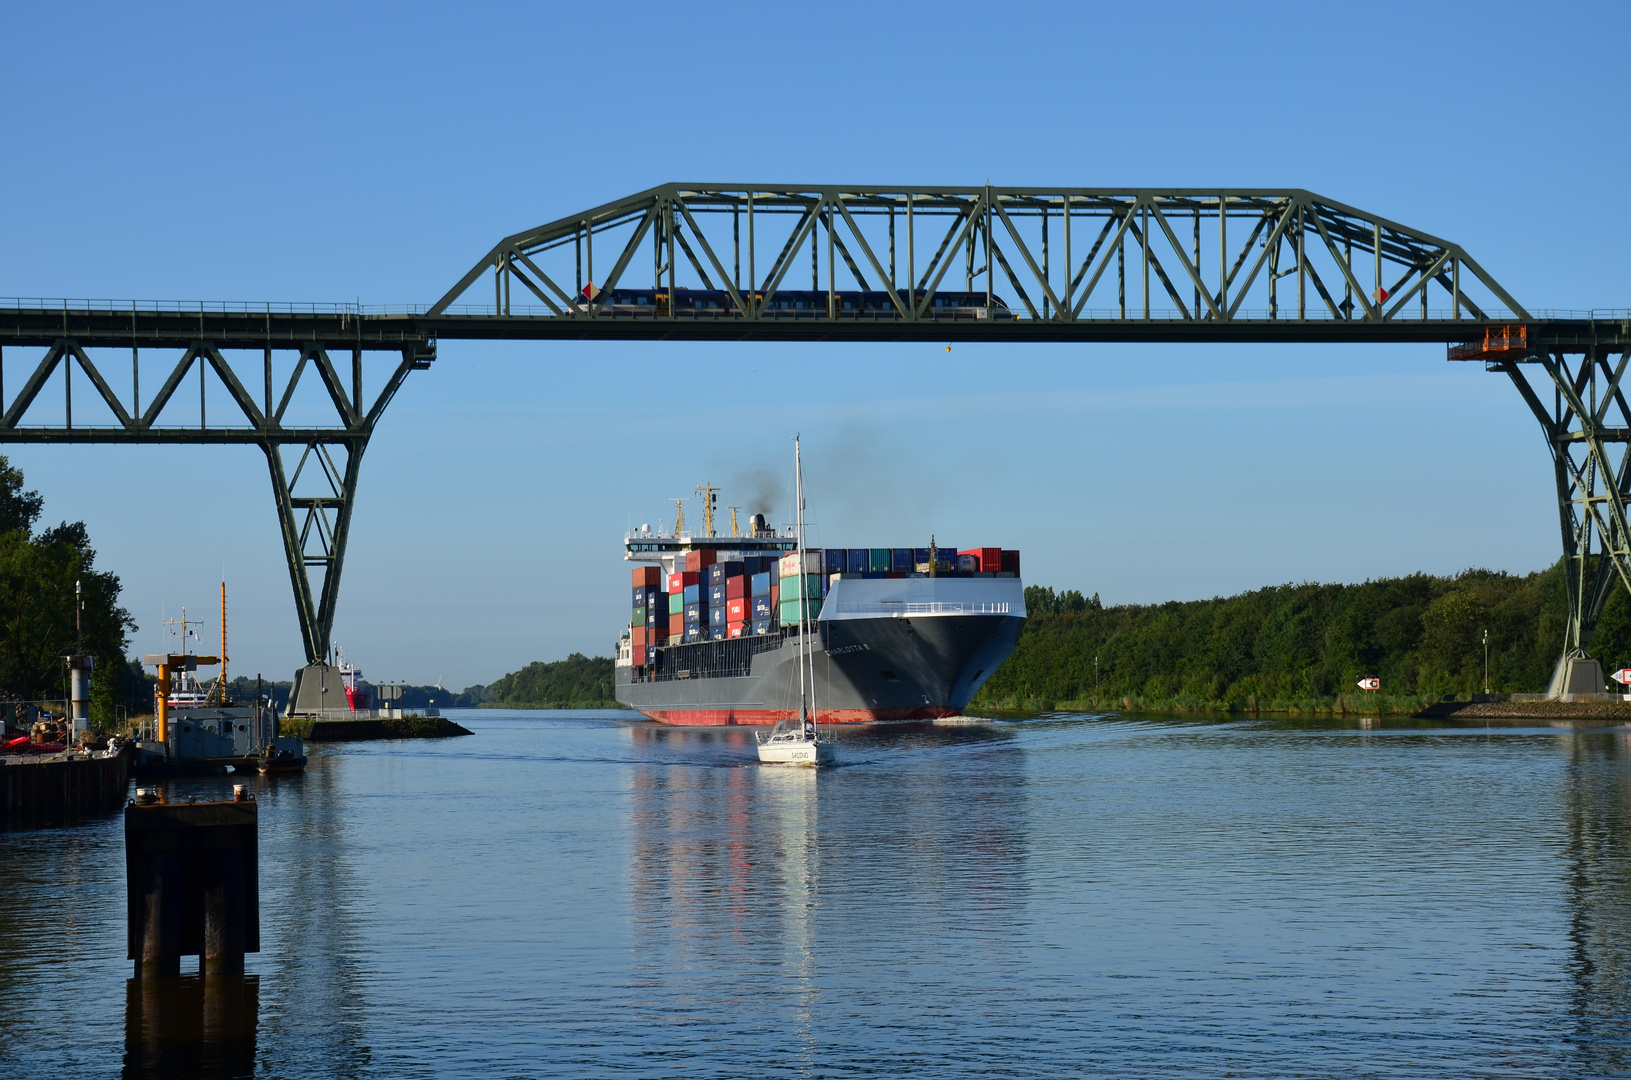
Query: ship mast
[710,500]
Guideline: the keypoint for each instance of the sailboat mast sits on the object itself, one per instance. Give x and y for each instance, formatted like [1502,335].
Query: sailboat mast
[804,601]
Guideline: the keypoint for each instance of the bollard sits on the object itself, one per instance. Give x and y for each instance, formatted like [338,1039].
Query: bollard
[192,885]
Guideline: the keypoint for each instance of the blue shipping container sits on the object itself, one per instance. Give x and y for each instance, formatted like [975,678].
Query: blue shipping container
[900,560]
[716,595]
[716,616]
[856,561]
[693,595]
[696,613]
[761,626]
[716,633]
[837,561]
[695,633]
[761,584]
[762,608]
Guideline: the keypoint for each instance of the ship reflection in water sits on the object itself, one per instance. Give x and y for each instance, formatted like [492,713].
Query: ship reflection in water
[753,884]
[591,895]
[191,1026]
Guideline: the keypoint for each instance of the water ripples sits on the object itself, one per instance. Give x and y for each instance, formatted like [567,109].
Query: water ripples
[581,895]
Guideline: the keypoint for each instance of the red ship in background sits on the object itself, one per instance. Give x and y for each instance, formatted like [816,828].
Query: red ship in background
[358,696]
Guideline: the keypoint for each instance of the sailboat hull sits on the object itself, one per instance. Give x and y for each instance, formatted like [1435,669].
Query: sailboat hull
[808,754]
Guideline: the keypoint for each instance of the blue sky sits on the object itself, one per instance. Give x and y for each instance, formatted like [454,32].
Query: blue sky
[341,152]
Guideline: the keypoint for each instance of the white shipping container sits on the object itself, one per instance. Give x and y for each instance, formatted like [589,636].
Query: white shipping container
[788,566]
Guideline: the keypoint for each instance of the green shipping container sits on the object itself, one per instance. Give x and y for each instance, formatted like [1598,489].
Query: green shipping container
[790,612]
[676,603]
[878,560]
[639,617]
[790,587]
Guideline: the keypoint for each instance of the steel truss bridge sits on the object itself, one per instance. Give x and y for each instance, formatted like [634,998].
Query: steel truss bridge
[726,263]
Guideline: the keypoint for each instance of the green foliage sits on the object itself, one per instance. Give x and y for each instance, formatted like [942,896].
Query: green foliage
[578,682]
[1298,647]
[1043,600]
[37,577]
[119,683]
[19,509]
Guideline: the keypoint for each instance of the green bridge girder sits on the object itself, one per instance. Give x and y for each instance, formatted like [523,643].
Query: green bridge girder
[971,264]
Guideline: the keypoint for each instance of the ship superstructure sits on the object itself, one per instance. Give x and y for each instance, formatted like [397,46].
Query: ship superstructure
[896,633]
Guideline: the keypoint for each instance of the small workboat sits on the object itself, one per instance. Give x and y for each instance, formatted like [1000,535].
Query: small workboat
[798,741]
[285,755]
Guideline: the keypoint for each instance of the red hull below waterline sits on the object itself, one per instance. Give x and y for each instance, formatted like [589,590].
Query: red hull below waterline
[765,717]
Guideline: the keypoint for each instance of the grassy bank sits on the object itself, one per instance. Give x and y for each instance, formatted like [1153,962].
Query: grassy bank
[406,727]
[1357,704]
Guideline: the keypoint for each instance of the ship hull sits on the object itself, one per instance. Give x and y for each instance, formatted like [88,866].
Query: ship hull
[866,670]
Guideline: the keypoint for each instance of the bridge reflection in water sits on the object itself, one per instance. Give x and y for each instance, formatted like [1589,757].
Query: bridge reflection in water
[1597,802]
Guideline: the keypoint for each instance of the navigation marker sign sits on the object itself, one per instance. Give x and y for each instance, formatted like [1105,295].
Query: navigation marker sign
[1373,683]
[1622,676]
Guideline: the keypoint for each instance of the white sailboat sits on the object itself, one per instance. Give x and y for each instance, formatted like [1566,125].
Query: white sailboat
[798,742]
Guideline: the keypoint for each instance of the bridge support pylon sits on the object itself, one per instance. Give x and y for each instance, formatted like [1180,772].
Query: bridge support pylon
[314,467]
[1587,426]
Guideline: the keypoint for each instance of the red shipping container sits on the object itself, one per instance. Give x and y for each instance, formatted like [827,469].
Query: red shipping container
[737,587]
[678,582]
[676,625]
[735,629]
[1010,562]
[648,577]
[738,610]
[775,596]
[637,635]
[639,656]
[698,559]
[990,558]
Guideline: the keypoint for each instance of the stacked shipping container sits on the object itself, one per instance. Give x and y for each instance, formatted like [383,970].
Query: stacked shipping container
[711,600]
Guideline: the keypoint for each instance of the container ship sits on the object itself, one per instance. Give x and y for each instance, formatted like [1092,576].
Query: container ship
[898,633]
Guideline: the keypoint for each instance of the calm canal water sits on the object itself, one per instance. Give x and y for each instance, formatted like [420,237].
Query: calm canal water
[578,894]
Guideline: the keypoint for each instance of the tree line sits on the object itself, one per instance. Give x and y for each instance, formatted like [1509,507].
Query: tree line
[578,682]
[38,571]
[1300,647]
